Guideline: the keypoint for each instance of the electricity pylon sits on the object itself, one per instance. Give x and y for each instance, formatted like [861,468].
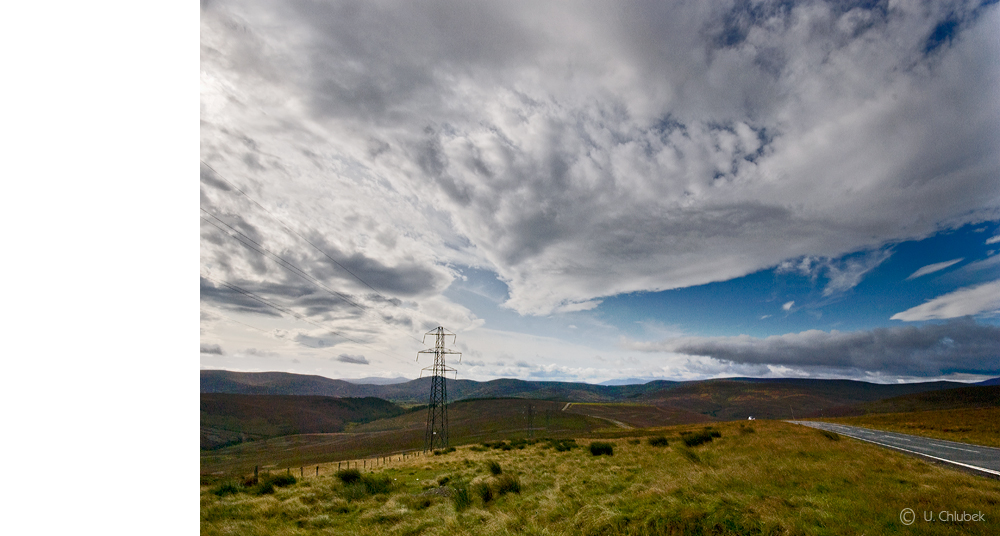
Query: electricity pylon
[437,408]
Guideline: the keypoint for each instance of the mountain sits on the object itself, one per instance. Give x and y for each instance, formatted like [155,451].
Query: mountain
[994,381]
[730,398]
[777,398]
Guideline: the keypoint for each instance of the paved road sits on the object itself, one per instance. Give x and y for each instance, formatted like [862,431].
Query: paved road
[985,460]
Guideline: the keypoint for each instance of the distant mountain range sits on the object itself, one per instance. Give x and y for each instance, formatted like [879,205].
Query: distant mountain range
[731,398]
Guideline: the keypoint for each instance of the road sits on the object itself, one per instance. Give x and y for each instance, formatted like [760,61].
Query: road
[983,460]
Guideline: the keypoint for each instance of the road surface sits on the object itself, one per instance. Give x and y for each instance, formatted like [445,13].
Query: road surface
[983,460]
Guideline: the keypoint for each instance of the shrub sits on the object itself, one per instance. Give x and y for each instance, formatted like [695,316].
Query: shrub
[282,480]
[443,480]
[693,439]
[599,447]
[832,436]
[227,488]
[349,476]
[375,484]
[265,488]
[658,441]
[494,468]
[507,483]
[437,452]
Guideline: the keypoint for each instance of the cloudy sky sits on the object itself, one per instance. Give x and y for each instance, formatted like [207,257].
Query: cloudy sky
[589,191]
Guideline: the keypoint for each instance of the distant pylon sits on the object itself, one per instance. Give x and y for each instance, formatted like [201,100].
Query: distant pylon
[437,408]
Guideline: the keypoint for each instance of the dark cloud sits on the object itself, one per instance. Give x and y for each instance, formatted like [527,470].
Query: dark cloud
[211,349]
[958,346]
[356,359]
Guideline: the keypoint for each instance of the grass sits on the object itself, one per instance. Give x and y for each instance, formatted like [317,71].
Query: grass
[979,426]
[783,479]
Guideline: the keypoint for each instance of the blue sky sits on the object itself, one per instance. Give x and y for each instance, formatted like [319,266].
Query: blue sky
[602,191]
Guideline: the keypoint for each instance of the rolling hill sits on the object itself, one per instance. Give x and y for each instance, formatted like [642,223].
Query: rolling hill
[232,418]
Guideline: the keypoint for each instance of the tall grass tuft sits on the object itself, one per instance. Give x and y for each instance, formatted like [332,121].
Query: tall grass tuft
[508,483]
[349,476]
[484,491]
[494,468]
[462,499]
[598,448]
[658,441]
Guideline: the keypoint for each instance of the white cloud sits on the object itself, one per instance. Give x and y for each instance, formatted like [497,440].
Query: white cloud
[979,299]
[788,305]
[931,268]
[662,147]
[993,240]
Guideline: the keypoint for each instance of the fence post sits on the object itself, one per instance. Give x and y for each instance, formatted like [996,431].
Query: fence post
[317,470]
[302,472]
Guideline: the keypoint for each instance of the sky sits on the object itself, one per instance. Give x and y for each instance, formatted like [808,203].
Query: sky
[596,191]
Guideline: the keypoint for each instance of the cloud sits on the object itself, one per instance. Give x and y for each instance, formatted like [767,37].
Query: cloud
[993,240]
[979,299]
[356,359]
[624,148]
[959,346]
[211,349]
[931,268]
[788,305]
[841,274]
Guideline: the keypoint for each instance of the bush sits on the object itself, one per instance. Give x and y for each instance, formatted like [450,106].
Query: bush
[227,488]
[349,476]
[283,480]
[494,468]
[375,484]
[658,441]
[693,439]
[599,447]
[507,483]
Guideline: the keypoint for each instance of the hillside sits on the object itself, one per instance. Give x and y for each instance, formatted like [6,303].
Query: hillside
[726,399]
[977,396]
[233,418]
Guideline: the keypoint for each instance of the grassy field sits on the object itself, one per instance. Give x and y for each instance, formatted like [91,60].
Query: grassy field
[979,426]
[773,478]
[470,421]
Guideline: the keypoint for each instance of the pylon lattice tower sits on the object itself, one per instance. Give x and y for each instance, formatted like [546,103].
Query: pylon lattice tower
[436,435]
